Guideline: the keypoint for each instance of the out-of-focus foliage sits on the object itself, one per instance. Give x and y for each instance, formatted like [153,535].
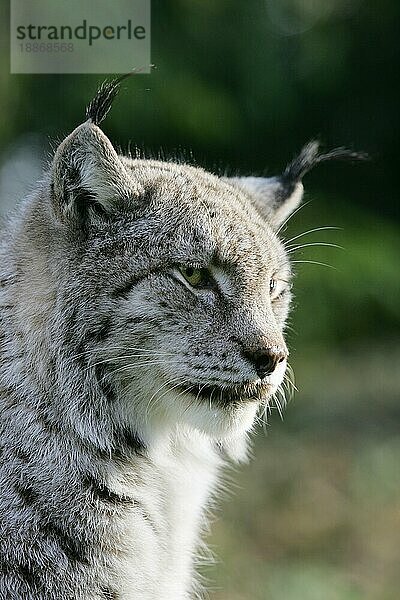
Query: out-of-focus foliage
[240,86]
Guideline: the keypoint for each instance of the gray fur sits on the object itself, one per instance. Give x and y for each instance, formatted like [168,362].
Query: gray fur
[108,459]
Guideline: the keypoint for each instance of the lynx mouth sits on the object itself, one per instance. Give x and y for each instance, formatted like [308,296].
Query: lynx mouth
[228,395]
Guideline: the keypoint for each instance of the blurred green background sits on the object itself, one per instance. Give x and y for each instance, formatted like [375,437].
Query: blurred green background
[239,86]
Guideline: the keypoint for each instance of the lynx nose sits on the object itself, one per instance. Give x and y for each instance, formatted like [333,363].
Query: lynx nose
[265,360]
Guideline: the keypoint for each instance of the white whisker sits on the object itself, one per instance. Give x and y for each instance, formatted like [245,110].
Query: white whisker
[162,386]
[112,360]
[315,262]
[296,237]
[278,404]
[296,248]
[292,215]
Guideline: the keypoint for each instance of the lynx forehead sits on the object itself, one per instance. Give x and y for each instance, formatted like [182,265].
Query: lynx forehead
[142,311]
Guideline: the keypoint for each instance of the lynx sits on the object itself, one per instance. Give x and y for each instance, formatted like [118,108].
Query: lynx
[142,316]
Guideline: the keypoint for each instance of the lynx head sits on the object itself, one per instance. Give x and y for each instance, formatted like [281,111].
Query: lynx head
[171,282]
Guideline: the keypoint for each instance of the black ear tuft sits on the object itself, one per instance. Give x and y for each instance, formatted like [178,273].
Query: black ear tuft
[309,157]
[105,96]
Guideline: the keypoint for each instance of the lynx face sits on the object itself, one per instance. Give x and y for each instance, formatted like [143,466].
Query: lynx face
[196,286]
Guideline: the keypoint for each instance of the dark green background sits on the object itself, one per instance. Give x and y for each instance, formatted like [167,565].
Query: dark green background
[239,86]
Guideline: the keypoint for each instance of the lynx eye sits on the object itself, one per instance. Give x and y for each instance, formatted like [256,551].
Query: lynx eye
[272,286]
[197,278]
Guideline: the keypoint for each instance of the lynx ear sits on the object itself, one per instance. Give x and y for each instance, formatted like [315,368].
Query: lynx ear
[87,173]
[277,197]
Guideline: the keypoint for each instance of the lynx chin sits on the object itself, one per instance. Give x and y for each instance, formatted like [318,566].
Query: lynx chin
[142,311]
